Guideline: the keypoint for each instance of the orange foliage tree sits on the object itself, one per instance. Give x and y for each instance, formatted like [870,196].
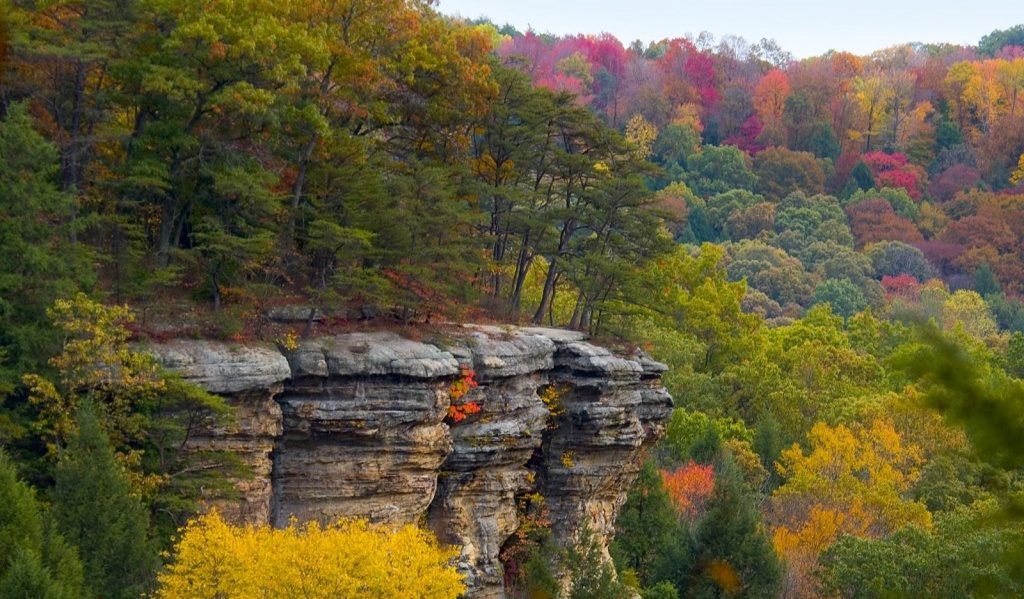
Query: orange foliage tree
[689,487]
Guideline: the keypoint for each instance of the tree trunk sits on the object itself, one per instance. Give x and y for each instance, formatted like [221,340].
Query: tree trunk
[216,289]
[300,182]
[167,217]
[522,269]
[549,290]
[577,311]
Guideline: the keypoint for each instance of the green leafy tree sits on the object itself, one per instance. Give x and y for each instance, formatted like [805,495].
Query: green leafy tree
[662,590]
[953,560]
[985,281]
[718,169]
[845,298]
[722,206]
[149,415]
[772,271]
[893,258]
[781,172]
[589,575]
[861,179]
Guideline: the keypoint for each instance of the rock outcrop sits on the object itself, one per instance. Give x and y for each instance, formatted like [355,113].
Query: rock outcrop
[358,425]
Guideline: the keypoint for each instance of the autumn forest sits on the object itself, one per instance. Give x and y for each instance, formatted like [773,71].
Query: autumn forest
[827,253]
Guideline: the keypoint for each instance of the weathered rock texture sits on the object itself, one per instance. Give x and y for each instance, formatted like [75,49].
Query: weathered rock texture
[355,425]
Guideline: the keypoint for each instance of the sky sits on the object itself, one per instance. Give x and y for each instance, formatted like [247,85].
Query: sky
[802,27]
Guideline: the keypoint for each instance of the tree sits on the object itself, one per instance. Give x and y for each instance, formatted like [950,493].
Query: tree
[751,222]
[801,220]
[689,486]
[850,481]
[346,559]
[997,39]
[894,258]
[674,147]
[985,281]
[769,102]
[861,179]
[781,172]
[149,415]
[1018,174]
[952,560]
[717,169]
[875,220]
[645,525]
[694,320]
[589,575]
[772,271]
[727,552]
[953,180]
[38,260]
[34,559]
[968,310]
[901,202]
[96,511]
[845,298]
[723,206]
[895,170]
[641,134]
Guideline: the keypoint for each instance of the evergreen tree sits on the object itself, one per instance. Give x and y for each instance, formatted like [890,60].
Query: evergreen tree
[726,552]
[860,179]
[590,577]
[94,509]
[730,538]
[38,262]
[645,526]
[35,562]
[985,281]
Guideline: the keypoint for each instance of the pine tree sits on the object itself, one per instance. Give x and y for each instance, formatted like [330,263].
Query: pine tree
[985,281]
[35,562]
[38,262]
[95,511]
[731,552]
[646,525]
[590,577]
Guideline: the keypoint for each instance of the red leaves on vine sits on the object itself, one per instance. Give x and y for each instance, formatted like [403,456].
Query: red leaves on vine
[457,390]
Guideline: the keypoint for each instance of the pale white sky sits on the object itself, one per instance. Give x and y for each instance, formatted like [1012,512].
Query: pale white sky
[803,27]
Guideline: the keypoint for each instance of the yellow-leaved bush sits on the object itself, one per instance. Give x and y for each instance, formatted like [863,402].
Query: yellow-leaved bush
[351,559]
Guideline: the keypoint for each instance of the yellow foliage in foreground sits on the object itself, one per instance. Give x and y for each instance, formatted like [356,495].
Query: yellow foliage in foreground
[351,559]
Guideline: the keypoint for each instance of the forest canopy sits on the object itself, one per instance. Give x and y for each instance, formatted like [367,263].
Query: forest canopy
[827,253]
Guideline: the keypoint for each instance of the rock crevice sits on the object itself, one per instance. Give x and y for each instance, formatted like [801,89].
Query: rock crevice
[356,425]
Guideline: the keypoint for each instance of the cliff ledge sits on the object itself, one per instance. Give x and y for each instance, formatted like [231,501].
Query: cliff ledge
[356,425]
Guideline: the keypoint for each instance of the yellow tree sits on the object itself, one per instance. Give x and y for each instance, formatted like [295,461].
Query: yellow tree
[214,560]
[641,134]
[149,414]
[872,95]
[1010,75]
[974,91]
[851,481]
[968,309]
[960,79]
[1018,175]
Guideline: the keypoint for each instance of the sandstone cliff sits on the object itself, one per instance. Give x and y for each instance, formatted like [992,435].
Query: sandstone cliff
[356,425]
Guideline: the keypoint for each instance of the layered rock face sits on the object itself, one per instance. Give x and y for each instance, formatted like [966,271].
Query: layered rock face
[357,425]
